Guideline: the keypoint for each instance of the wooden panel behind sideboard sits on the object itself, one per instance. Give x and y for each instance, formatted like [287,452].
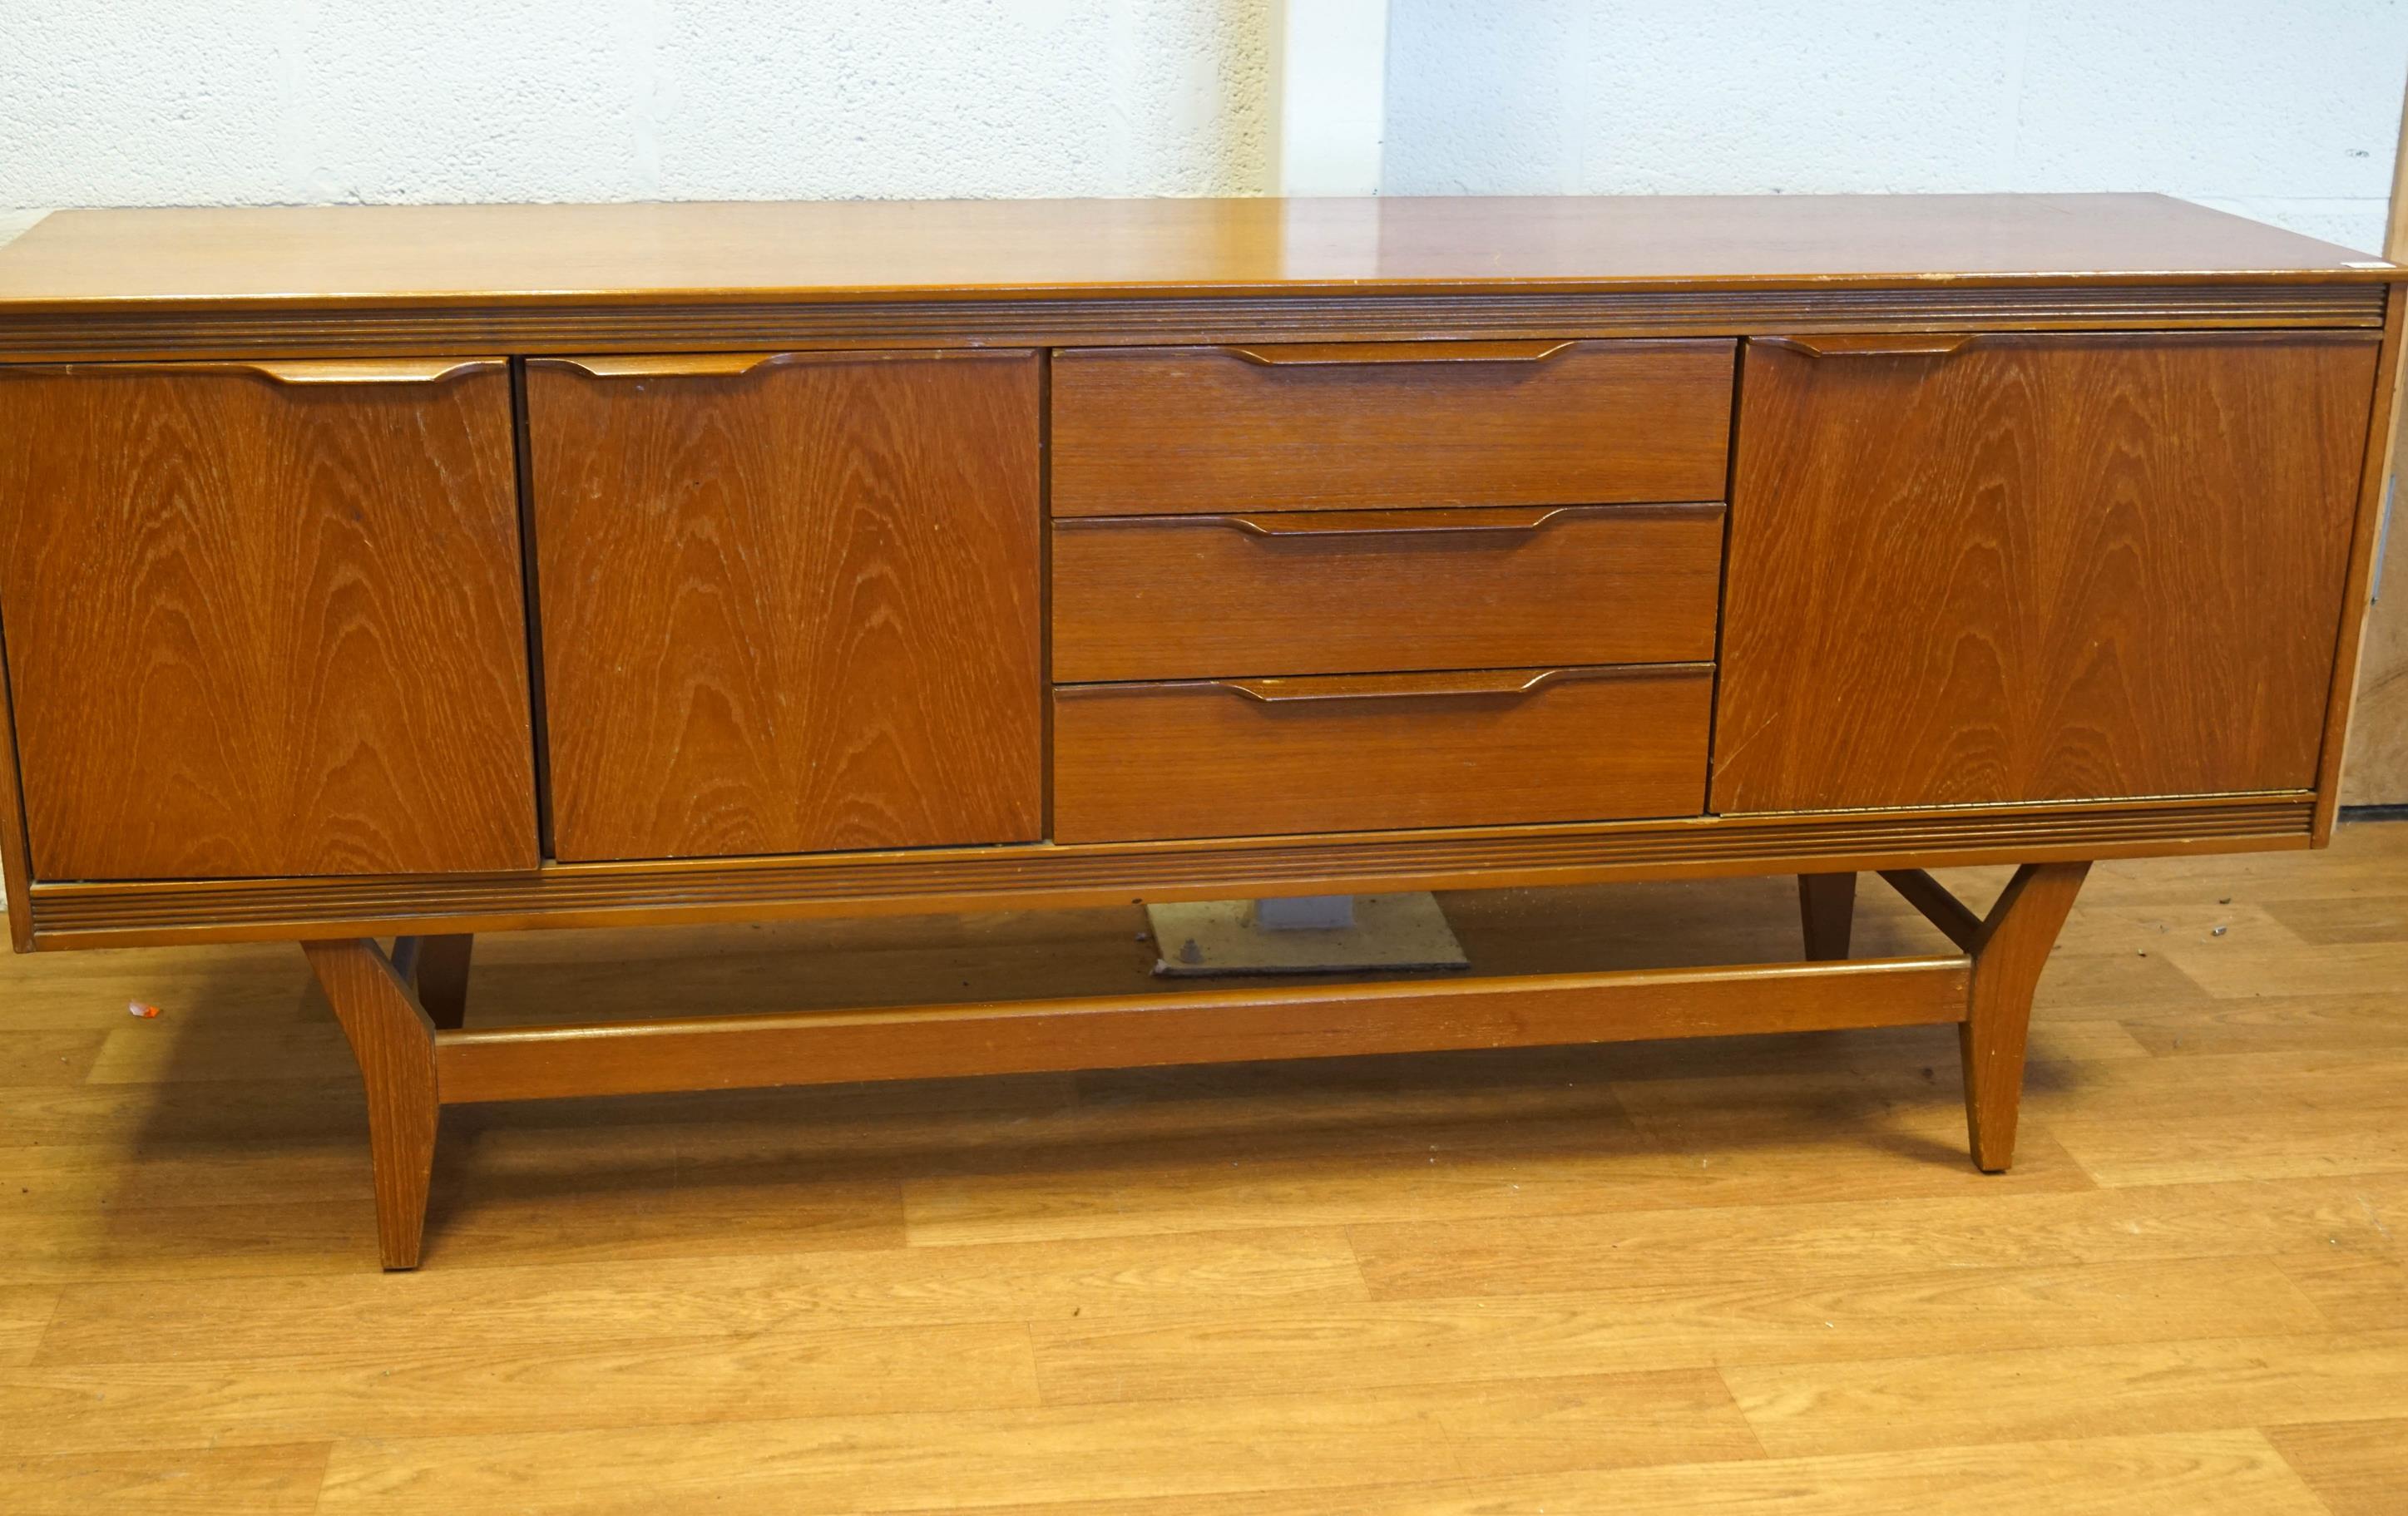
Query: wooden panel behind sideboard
[2009,568]
[262,626]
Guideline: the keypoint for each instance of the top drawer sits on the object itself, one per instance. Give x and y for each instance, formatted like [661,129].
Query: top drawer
[1315,427]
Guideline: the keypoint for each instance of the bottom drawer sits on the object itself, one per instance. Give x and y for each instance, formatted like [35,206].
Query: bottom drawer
[1377,751]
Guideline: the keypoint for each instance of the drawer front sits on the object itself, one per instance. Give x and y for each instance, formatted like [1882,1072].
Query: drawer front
[1349,592]
[1258,757]
[1156,431]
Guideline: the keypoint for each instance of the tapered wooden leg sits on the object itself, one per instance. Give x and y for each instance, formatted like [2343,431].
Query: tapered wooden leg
[1827,903]
[2009,953]
[393,1040]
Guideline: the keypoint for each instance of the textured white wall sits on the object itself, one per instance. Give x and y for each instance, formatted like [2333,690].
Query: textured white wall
[2285,109]
[255,102]
[2282,108]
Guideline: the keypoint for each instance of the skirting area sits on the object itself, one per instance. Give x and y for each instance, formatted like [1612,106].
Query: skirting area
[1628,1276]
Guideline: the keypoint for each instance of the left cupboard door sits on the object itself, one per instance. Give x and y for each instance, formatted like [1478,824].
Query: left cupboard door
[266,619]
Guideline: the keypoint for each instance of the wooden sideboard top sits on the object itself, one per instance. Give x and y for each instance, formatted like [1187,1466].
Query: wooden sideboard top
[851,250]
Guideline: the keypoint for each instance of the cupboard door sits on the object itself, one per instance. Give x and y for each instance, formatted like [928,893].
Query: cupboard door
[266,619]
[789,603]
[2018,569]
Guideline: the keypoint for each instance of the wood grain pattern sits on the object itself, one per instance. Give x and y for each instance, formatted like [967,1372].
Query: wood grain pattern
[1173,430]
[264,629]
[1142,761]
[806,252]
[2358,1468]
[280,1481]
[2037,568]
[1003,1459]
[393,1041]
[1192,1026]
[1104,874]
[2222,1381]
[1208,597]
[791,609]
[2008,956]
[1423,1452]
[1325,1349]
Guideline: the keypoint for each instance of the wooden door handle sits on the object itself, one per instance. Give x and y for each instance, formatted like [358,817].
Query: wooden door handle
[297,370]
[1885,345]
[371,370]
[1319,355]
[1464,682]
[667,364]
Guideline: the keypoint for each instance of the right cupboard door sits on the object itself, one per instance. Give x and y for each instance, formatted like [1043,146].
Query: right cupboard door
[2008,567]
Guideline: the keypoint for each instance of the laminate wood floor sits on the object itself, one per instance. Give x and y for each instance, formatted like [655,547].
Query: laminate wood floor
[1754,1275]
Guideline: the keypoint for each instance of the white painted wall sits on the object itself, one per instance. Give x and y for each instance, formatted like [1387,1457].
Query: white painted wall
[256,102]
[2285,109]
[1331,65]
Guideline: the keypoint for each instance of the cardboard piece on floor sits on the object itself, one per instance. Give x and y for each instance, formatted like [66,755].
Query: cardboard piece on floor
[1204,937]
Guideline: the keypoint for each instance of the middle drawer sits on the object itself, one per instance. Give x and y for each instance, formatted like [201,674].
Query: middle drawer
[1169,597]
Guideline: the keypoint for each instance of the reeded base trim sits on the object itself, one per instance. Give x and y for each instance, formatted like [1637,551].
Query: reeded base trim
[125,914]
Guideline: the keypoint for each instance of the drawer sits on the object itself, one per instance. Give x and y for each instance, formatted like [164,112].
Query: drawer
[1372,753]
[1168,597]
[1307,426]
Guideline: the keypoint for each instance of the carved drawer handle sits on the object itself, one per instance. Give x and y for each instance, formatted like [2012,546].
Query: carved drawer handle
[1294,524]
[1478,681]
[1320,354]
[1495,520]
[1461,682]
[1909,345]
[669,365]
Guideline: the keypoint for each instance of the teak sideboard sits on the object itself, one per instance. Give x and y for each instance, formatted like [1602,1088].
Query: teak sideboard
[412,573]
